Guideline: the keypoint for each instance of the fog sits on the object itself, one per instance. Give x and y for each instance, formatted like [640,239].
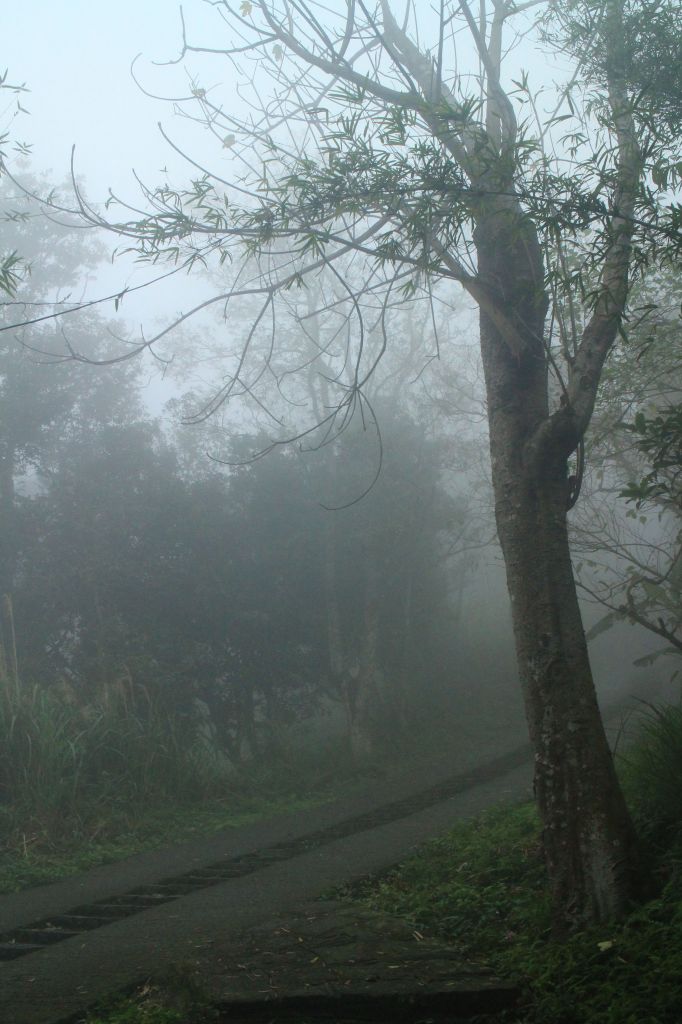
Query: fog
[270,294]
[101,93]
[249,555]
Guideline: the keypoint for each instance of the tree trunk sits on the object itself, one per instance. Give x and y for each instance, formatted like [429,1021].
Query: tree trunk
[355,672]
[368,712]
[8,525]
[248,738]
[589,841]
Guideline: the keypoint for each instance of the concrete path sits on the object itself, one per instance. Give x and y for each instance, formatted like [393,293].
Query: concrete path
[278,865]
[59,981]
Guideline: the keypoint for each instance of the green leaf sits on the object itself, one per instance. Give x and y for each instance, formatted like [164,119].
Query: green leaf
[602,625]
[649,659]
[659,595]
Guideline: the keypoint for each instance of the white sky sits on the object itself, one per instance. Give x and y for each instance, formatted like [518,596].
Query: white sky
[75,58]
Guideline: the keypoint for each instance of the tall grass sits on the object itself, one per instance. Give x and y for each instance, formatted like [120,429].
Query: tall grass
[652,773]
[68,767]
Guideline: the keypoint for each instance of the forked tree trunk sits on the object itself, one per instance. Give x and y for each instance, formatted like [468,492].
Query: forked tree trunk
[589,841]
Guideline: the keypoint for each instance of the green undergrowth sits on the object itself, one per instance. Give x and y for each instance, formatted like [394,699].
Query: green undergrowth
[22,865]
[105,831]
[483,888]
[174,999]
[87,782]
[110,830]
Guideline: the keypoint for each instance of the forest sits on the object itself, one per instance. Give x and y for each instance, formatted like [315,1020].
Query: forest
[369,454]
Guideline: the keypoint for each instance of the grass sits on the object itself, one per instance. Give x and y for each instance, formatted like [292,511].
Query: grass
[174,999]
[652,773]
[483,889]
[24,866]
[84,784]
[477,886]
[63,758]
[106,831]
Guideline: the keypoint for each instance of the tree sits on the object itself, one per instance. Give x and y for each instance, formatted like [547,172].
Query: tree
[436,167]
[654,600]
[210,592]
[12,263]
[627,533]
[44,395]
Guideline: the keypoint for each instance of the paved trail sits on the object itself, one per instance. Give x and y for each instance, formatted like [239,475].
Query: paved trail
[219,886]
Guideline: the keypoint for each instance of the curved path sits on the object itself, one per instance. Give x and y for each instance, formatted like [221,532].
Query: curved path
[124,922]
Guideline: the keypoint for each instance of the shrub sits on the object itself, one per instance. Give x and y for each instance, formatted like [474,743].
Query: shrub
[652,773]
[67,766]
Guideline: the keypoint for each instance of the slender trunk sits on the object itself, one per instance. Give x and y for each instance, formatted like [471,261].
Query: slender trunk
[221,720]
[101,653]
[248,742]
[8,538]
[335,646]
[357,674]
[9,663]
[402,670]
[367,705]
[8,561]
[346,668]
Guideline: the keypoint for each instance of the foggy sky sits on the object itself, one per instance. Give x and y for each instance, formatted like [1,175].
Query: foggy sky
[75,58]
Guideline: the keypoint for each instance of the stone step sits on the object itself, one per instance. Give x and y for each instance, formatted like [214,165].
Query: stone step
[13,950]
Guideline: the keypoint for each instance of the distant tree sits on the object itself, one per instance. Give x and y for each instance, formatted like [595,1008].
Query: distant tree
[337,598]
[385,574]
[431,165]
[91,558]
[379,526]
[45,396]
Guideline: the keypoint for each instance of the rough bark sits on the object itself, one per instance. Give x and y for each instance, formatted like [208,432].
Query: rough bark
[589,841]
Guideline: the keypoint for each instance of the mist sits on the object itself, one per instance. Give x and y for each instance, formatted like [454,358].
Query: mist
[255,557]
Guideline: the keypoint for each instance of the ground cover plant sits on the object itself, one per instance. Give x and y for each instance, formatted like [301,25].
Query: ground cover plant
[85,784]
[151,828]
[175,1000]
[483,888]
